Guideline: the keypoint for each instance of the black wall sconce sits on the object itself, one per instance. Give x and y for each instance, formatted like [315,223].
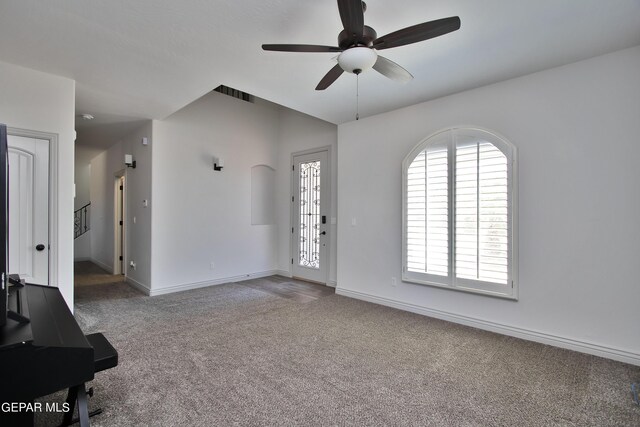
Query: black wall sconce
[129,162]
[218,164]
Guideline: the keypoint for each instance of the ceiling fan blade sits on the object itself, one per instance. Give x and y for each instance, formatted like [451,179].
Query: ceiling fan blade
[417,33]
[352,16]
[392,70]
[330,77]
[300,48]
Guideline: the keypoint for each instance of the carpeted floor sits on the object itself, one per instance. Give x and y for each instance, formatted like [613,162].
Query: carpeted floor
[235,355]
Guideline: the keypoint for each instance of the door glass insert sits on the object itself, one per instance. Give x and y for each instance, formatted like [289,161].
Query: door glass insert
[309,215]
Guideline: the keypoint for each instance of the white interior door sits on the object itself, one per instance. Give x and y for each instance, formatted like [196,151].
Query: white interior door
[29,208]
[310,216]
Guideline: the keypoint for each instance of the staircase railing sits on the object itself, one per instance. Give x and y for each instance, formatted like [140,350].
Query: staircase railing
[81,221]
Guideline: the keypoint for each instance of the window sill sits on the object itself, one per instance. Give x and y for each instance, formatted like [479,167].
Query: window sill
[511,294]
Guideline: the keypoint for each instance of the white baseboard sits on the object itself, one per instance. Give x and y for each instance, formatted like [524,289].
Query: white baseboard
[102,265]
[204,284]
[139,286]
[283,273]
[526,334]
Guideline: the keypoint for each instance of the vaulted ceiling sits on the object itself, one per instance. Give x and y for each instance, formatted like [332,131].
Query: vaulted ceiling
[148,58]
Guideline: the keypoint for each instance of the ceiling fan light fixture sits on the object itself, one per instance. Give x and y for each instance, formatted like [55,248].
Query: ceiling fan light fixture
[357,59]
[359,44]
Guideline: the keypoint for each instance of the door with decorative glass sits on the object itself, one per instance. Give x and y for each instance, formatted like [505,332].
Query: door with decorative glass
[310,216]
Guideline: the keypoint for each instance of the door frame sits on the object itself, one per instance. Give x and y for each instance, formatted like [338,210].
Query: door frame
[292,220]
[119,267]
[53,195]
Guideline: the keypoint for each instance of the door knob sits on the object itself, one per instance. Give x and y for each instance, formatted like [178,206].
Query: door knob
[40,247]
[323,233]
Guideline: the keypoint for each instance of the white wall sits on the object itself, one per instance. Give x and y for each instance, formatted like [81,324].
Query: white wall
[42,102]
[263,191]
[138,189]
[203,216]
[104,169]
[82,247]
[576,128]
[82,179]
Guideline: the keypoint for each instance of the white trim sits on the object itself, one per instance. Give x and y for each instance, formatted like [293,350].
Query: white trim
[214,282]
[332,283]
[329,197]
[53,195]
[53,211]
[283,273]
[102,265]
[120,267]
[139,286]
[506,291]
[620,355]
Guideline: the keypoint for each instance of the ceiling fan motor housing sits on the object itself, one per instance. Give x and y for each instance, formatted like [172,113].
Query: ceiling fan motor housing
[359,43]
[347,40]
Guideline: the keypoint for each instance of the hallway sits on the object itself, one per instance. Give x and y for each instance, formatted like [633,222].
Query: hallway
[87,273]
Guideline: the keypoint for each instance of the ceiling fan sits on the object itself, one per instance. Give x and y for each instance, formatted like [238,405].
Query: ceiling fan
[358,43]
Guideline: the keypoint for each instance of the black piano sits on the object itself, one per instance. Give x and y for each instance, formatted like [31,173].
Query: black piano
[44,355]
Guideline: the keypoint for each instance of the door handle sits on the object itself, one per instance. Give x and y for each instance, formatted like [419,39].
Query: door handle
[40,247]
[323,233]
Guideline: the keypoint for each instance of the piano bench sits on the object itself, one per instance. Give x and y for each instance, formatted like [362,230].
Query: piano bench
[104,355]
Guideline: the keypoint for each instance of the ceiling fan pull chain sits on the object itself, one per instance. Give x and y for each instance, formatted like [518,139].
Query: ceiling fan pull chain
[357,96]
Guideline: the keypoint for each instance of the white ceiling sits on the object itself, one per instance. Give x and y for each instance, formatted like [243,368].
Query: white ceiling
[148,58]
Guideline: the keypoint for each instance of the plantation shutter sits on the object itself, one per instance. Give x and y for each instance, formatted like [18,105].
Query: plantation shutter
[427,212]
[458,218]
[481,213]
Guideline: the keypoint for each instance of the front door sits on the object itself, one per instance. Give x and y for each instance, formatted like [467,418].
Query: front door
[29,208]
[310,212]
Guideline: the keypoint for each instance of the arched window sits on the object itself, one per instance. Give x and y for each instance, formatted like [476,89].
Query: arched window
[459,213]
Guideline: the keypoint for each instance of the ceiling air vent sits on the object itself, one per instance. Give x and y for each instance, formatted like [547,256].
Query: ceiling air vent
[234,93]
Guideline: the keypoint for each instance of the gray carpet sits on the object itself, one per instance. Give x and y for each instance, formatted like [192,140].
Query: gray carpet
[234,355]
